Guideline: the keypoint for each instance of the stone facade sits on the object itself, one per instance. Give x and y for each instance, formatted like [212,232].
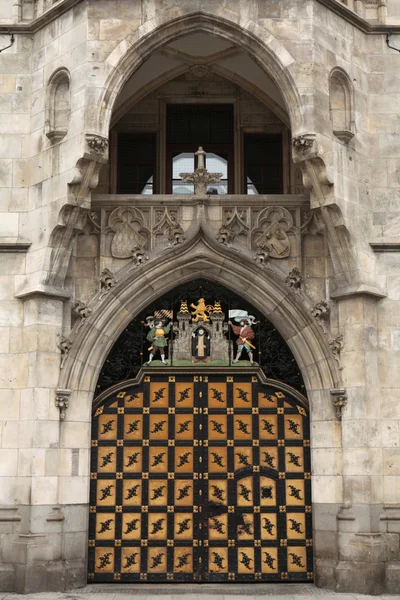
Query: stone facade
[75,72]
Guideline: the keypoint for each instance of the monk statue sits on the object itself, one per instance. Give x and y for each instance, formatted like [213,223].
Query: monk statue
[200,346]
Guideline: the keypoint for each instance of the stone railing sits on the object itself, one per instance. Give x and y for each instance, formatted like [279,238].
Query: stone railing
[131,226]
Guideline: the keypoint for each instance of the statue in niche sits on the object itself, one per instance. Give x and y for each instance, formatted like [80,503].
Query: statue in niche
[157,337]
[201,345]
[245,333]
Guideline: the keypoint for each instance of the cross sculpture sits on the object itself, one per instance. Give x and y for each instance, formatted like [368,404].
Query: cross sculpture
[201,177]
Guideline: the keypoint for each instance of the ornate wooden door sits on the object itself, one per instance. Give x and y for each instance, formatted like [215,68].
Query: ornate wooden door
[200,478]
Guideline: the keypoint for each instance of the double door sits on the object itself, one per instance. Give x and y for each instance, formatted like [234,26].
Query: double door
[200,478]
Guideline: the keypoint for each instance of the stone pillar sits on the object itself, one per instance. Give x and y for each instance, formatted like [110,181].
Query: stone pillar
[52,464]
[363,550]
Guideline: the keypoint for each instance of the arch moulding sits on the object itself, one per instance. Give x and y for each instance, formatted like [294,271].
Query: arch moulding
[198,257]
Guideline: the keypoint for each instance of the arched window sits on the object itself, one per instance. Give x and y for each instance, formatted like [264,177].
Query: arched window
[58,105]
[341,104]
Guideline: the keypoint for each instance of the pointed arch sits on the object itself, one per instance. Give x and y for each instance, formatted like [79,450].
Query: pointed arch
[200,256]
[135,49]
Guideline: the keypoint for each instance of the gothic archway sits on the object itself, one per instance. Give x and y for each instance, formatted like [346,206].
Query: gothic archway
[199,257]
[260,43]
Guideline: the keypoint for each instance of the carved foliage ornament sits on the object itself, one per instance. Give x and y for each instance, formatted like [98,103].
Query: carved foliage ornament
[200,71]
[303,143]
[294,279]
[97,143]
[336,345]
[270,237]
[130,233]
[82,311]
[62,401]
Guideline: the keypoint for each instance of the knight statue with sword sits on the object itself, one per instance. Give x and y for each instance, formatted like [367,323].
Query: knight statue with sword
[244,331]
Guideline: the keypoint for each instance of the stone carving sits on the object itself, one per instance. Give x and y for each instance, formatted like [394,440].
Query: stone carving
[320,311]
[83,311]
[168,227]
[62,401]
[200,177]
[303,143]
[262,254]
[271,232]
[336,345]
[294,279]
[107,281]
[200,71]
[234,226]
[97,143]
[339,401]
[127,223]
[138,256]
[64,344]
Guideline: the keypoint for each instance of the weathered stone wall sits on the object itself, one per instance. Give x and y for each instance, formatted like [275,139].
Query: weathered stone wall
[49,165]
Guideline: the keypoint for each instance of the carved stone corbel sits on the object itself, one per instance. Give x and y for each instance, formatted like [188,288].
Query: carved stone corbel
[62,401]
[339,401]
[294,279]
[65,345]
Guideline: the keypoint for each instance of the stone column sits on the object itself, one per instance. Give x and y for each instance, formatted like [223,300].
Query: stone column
[363,550]
[51,461]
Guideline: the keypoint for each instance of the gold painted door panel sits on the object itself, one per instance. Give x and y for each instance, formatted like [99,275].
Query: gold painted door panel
[200,478]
